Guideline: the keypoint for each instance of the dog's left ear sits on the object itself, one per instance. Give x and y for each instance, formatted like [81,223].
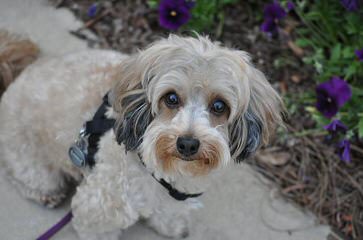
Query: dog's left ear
[254,127]
[129,101]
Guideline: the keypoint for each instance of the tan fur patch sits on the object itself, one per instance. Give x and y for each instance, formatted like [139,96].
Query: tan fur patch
[15,54]
[165,152]
[206,160]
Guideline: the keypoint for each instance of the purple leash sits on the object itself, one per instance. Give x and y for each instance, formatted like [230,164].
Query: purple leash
[58,226]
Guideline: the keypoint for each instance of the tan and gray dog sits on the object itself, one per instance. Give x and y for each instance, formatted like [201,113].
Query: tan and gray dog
[185,108]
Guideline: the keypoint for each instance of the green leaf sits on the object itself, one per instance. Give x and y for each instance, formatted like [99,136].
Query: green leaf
[318,66]
[303,42]
[360,128]
[153,3]
[335,52]
[350,71]
[229,1]
[348,52]
[358,92]
[303,31]
[312,15]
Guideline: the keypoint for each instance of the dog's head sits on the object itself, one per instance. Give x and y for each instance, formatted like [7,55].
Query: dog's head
[189,106]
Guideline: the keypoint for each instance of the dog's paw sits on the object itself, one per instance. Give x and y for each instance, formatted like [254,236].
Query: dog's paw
[52,200]
[177,233]
[170,227]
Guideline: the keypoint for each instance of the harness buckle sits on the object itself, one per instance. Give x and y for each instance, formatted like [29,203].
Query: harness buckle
[79,149]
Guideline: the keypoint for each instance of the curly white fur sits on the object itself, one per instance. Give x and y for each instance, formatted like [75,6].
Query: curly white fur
[43,110]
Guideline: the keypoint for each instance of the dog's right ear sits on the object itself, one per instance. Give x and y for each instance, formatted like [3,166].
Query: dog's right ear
[264,113]
[129,101]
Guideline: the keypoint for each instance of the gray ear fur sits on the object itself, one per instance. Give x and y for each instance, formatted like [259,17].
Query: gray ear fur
[131,127]
[253,138]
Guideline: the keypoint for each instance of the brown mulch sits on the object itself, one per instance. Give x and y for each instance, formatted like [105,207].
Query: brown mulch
[129,25]
[313,177]
[305,168]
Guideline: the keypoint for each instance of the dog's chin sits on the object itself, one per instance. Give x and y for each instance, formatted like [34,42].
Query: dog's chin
[196,165]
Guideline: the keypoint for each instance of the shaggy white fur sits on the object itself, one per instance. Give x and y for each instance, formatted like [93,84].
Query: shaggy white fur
[43,110]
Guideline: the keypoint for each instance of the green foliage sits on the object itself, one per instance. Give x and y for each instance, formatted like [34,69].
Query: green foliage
[332,34]
[360,127]
[153,3]
[204,14]
[207,12]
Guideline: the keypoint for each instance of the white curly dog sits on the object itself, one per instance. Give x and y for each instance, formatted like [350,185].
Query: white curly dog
[183,109]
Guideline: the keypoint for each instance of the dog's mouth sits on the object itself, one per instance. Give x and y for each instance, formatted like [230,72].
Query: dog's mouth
[192,159]
[184,158]
[188,159]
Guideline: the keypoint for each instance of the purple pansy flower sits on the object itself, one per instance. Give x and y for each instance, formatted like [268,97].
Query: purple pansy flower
[190,3]
[290,5]
[344,151]
[350,5]
[359,54]
[273,12]
[92,10]
[269,26]
[332,95]
[335,127]
[174,13]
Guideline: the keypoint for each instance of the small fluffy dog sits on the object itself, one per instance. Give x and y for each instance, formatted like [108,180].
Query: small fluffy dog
[185,108]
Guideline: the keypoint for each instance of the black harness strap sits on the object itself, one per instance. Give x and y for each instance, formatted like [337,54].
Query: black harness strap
[96,128]
[83,152]
[180,196]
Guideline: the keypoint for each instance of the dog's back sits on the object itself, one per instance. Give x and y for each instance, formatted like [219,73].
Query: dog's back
[41,114]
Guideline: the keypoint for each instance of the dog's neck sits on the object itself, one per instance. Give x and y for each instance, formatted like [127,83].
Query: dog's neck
[183,183]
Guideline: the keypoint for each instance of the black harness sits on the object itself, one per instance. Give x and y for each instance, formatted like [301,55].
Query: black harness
[82,152]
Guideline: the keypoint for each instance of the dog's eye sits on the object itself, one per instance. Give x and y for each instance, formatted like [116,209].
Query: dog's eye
[218,107]
[171,100]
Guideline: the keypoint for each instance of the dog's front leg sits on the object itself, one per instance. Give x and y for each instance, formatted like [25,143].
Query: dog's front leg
[101,207]
[170,222]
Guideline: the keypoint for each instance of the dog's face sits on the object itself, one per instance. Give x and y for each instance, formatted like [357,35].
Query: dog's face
[190,106]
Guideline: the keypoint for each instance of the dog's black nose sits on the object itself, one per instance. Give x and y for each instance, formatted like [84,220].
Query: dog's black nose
[187,146]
